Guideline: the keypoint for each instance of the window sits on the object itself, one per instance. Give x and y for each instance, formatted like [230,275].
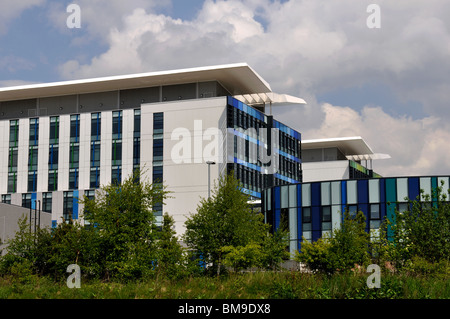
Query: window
[306,223]
[6,199]
[52,180]
[352,210]
[53,154]
[34,132]
[402,207]
[54,129]
[26,200]
[90,194]
[137,139]
[73,179]
[13,133]
[96,126]
[157,174]
[95,154]
[68,205]
[116,152]
[53,157]
[158,123]
[116,175]
[12,161]
[33,158]
[284,219]
[94,181]
[326,218]
[74,127]
[375,217]
[117,125]
[47,202]
[12,182]
[158,150]
[32,181]
[137,123]
[74,155]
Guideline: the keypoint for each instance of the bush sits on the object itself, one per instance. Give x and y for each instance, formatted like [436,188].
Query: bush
[347,247]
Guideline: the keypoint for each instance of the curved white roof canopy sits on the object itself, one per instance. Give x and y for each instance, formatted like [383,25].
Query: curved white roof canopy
[354,148]
[237,79]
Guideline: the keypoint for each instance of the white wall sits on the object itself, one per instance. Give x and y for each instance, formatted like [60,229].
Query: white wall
[186,177]
[325,171]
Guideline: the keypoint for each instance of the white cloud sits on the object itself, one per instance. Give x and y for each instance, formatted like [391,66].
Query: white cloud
[417,147]
[10,9]
[305,48]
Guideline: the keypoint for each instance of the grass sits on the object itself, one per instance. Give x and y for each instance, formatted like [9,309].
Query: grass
[259,285]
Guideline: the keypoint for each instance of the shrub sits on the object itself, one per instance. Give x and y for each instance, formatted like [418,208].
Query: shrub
[347,246]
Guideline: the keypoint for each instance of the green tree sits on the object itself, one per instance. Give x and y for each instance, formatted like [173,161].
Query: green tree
[348,246]
[122,215]
[224,219]
[170,255]
[423,230]
[27,249]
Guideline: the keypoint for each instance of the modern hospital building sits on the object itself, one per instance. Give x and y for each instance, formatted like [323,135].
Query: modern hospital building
[185,128]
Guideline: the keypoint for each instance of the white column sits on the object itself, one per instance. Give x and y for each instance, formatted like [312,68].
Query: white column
[22,160]
[4,156]
[127,143]
[106,149]
[85,146]
[64,149]
[44,136]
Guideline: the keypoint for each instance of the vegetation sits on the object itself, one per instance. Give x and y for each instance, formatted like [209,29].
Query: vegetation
[230,253]
[226,230]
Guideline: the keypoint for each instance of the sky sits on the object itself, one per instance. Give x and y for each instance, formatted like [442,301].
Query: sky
[388,84]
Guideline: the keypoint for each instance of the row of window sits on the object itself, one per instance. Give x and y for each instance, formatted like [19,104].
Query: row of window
[158,152]
[74,151]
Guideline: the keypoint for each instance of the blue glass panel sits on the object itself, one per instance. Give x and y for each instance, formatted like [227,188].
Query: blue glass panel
[33,200]
[382,198]
[315,194]
[343,197]
[299,215]
[413,188]
[276,197]
[75,205]
[363,191]
[277,217]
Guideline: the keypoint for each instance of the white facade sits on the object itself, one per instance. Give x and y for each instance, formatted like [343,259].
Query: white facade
[323,171]
[194,103]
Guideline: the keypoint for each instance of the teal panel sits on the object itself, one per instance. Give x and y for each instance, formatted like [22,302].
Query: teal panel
[391,199]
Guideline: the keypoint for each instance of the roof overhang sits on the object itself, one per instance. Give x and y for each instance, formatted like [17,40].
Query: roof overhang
[347,145]
[238,79]
[269,97]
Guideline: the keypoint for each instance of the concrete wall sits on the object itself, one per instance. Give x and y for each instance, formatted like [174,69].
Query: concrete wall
[9,217]
[185,171]
[323,171]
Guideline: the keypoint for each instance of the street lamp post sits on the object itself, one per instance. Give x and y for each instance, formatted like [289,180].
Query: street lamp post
[209,176]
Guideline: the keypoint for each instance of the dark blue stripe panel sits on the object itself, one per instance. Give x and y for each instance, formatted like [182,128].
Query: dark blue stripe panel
[299,215]
[75,205]
[276,198]
[382,198]
[277,217]
[343,197]
[413,188]
[315,194]
[363,199]
[315,211]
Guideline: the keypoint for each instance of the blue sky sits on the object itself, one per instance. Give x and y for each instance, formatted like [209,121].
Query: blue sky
[389,84]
